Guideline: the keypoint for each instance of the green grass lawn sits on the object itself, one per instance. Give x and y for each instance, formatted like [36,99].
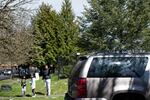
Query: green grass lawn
[58,89]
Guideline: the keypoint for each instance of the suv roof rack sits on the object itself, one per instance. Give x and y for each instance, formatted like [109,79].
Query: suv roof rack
[138,52]
[121,52]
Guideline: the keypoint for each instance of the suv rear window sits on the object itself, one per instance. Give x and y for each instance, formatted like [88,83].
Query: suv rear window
[117,66]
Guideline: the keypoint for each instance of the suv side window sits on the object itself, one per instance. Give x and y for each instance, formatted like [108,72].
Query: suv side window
[117,67]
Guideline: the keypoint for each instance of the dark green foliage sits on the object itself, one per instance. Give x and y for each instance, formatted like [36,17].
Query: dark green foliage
[116,25]
[55,35]
[47,26]
[70,31]
[70,37]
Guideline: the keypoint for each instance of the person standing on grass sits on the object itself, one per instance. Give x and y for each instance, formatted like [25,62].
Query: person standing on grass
[22,74]
[23,85]
[33,79]
[47,78]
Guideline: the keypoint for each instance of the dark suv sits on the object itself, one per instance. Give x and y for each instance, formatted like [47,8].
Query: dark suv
[112,76]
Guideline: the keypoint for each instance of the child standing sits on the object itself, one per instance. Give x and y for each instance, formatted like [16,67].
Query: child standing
[22,74]
[23,85]
[33,79]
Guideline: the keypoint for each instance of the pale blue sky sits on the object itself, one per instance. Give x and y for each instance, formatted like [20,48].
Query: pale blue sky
[77,5]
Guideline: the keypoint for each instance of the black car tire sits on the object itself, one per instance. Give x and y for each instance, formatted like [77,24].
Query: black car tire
[67,97]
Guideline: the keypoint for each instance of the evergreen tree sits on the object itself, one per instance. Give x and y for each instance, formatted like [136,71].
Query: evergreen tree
[47,25]
[55,34]
[70,31]
[116,25]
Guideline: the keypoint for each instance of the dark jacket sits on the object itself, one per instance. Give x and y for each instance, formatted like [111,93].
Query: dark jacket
[22,73]
[46,74]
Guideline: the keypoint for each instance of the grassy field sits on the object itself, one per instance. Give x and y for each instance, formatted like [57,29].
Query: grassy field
[58,89]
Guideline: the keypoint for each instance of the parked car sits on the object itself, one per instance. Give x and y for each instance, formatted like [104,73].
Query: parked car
[110,76]
[7,72]
[1,72]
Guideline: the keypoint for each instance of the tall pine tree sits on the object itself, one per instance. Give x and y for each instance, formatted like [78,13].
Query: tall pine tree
[47,28]
[55,34]
[70,31]
[116,25]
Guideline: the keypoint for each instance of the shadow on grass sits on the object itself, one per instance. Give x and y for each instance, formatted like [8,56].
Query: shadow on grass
[27,95]
[39,93]
[18,96]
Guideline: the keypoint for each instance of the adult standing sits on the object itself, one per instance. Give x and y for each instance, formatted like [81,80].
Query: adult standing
[33,79]
[47,78]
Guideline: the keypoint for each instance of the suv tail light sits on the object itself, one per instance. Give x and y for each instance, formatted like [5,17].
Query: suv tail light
[81,87]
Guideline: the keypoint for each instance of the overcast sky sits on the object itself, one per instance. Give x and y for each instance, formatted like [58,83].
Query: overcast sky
[76,4]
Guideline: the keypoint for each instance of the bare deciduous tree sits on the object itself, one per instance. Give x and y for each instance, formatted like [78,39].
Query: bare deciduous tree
[7,10]
[15,33]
